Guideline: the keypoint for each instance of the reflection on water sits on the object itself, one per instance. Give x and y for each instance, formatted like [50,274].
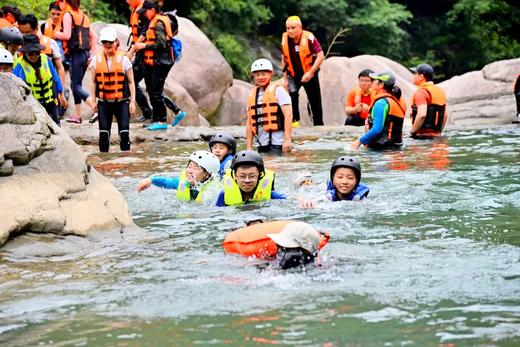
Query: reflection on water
[430,259]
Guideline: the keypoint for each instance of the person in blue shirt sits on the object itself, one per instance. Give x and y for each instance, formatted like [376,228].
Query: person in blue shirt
[344,183]
[37,70]
[247,181]
[224,146]
[194,181]
[385,121]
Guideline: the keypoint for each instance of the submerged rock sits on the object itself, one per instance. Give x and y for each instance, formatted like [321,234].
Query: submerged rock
[47,185]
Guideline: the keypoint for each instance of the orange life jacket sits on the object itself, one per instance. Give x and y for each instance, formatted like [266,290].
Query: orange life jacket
[151,38]
[4,23]
[134,22]
[392,134]
[358,94]
[435,114]
[111,84]
[271,112]
[79,39]
[306,56]
[50,29]
[253,240]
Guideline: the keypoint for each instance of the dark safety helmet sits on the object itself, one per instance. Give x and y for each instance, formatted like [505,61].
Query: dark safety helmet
[248,157]
[423,69]
[349,162]
[11,35]
[225,138]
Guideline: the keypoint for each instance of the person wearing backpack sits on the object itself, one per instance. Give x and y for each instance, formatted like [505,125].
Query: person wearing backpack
[77,39]
[158,60]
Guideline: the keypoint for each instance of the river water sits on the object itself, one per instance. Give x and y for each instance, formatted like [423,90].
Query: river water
[432,258]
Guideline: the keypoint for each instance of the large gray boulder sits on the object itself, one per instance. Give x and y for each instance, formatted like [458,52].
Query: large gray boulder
[485,96]
[232,109]
[46,185]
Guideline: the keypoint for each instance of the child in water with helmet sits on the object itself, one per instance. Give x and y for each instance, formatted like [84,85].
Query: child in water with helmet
[224,146]
[344,183]
[193,182]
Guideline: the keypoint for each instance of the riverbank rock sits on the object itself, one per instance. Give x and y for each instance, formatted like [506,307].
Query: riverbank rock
[485,96]
[232,109]
[46,185]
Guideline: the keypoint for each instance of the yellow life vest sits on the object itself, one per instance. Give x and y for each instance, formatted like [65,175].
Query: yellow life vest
[41,88]
[183,191]
[233,195]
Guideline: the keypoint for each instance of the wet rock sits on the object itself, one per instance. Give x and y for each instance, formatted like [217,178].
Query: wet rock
[232,110]
[49,188]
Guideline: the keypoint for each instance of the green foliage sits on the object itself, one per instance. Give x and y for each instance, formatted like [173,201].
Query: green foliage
[95,9]
[234,52]
[37,7]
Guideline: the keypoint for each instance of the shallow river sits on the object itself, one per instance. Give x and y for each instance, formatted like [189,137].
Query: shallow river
[432,258]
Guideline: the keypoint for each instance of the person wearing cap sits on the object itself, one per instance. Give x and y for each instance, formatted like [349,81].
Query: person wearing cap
[269,114]
[78,45]
[11,39]
[6,60]
[385,120]
[28,24]
[302,56]
[247,181]
[359,100]
[37,70]
[113,86]
[196,182]
[224,146]
[429,109]
[297,245]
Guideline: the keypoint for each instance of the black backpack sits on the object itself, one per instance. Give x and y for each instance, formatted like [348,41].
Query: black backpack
[79,37]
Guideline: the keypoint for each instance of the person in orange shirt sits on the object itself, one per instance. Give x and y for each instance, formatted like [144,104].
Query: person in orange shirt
[429,109]
[8,16]
[359,100]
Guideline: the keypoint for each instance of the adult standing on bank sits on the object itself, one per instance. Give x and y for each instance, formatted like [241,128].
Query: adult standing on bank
[429,109]
[113,80]
[77,39]
[301,58]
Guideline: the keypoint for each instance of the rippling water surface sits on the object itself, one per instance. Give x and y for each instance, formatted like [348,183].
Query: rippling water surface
[431,259]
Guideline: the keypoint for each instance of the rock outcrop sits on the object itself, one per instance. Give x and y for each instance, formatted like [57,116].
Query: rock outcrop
[46,184]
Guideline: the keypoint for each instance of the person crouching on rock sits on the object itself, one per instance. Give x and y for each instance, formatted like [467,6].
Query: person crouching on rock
[36,69]
[224,146]
[297,245]
[113,85]
[193,182]
[269,112]
[247,181]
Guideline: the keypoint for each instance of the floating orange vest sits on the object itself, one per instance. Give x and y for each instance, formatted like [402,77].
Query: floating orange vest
[151,38]
[435,114]
[111,84]
[134,22]
[272,116]
[253,241]
[306,56]
[392,134]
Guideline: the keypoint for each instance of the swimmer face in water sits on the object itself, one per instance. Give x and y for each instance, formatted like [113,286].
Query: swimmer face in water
[195,174]
[221,150]
[247,177]
[344,180]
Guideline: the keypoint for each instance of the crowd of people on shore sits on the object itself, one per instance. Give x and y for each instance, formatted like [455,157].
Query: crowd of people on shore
[41,54]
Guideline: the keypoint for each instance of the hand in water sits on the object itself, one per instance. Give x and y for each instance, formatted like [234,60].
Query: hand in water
[144,184]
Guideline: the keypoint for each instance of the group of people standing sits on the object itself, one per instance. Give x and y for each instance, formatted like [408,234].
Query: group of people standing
[40,56]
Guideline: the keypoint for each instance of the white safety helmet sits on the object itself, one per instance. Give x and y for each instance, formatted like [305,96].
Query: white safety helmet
[206,160]
[107,34]
[6,57]
[262,65]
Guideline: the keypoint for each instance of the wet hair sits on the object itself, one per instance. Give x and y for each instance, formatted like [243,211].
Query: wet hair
[29,19]
[365,73]
[389,88]
[15,11]
[396,91]
[54,6]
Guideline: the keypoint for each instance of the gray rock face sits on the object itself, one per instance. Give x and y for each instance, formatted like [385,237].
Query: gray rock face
[47,185]
[232,110]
